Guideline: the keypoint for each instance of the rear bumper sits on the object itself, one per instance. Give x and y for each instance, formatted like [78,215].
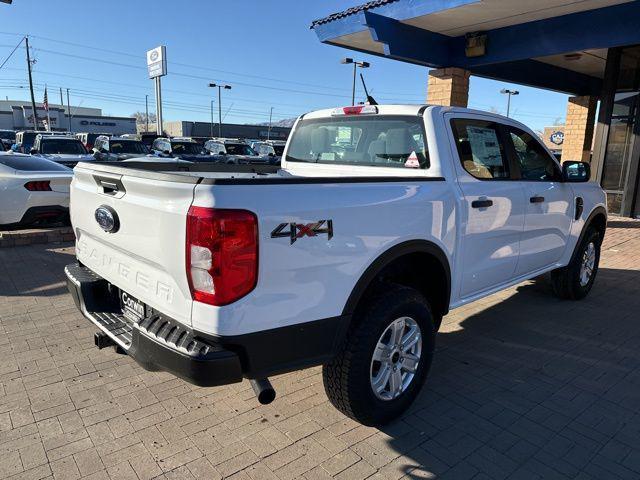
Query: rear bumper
[156,342]
[159,342]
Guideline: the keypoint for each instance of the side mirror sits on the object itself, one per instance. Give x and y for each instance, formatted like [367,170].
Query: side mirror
[576,172]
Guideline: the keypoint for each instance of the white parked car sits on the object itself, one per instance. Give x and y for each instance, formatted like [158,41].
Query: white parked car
[381,220]
[32,190]
[214,147]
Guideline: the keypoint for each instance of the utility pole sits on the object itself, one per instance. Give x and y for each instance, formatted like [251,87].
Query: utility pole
[61,104]
[269,130]
[146,109]
[69,110]
[33,98]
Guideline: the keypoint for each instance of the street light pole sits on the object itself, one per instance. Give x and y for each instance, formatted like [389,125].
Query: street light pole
[509,93]
[69,110]
[356,64]
[146,110]
[269,129]
[220,87]
[211,130]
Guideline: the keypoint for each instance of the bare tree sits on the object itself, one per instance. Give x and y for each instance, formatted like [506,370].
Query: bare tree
[141,118]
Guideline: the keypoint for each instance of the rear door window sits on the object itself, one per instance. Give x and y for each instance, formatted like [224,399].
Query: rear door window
[481,149]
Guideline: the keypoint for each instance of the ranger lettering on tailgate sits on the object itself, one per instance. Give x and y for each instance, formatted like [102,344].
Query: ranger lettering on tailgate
[92,257]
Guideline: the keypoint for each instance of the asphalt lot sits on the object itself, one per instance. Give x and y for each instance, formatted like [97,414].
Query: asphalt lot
[523,386]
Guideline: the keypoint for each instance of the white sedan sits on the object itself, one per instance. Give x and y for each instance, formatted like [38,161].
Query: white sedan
[32,190]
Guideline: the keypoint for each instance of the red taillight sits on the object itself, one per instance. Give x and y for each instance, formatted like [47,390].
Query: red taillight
[38,186]
[222,254]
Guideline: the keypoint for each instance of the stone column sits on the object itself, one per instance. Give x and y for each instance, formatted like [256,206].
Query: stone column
[578,131]
[449,87]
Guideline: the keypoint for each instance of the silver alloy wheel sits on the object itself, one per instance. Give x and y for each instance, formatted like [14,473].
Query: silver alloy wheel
[396,358]
[588,264]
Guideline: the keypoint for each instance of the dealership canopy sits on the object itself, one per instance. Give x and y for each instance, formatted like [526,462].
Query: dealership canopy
[554,44]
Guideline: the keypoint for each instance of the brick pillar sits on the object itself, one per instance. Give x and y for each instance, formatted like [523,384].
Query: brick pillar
[578,131]
[449,87]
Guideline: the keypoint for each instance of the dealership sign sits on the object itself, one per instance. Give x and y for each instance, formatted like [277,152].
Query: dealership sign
[157,62]
[98,124]
[557,138]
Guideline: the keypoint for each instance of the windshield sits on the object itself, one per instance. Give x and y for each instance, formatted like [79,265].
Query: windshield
[376,140]
[7,135]
[182,148]
[127,147]
[215,148]
[62,146]
[239,149]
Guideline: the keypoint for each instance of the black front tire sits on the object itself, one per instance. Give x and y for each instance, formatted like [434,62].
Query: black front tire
[346,378]
[566,281]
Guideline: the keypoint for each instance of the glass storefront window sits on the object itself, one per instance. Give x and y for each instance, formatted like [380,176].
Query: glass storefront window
[622,131]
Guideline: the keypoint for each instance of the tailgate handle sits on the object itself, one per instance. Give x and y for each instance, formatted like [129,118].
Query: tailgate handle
[109,185]
[109,188]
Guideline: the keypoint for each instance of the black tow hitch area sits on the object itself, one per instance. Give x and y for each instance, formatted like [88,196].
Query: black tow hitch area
[102,340]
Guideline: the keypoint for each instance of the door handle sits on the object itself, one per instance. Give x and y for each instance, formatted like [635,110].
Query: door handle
[481,203]
[536,199]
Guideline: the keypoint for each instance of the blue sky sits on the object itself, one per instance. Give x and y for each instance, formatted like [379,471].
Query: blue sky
[264,49]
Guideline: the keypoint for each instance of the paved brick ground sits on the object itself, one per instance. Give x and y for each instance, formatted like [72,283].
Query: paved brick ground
[524,386]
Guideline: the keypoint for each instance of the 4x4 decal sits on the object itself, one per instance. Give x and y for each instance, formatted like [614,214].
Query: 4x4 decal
[294,231]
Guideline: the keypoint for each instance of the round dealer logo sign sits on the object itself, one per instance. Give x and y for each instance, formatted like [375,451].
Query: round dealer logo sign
[154,56]
[557,138]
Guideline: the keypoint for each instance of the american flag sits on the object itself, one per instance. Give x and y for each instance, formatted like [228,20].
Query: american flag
[45,102]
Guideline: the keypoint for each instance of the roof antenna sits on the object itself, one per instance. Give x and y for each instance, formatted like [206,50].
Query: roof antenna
[370,99]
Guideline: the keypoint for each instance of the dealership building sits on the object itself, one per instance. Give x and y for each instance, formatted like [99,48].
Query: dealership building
[18,115]
[228,130]
[588,49]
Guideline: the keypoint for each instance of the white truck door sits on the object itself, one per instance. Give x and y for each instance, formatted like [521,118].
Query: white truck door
[549,203]
[493,206]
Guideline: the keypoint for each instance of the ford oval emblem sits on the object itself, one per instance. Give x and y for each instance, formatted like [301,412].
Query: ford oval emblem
[107,218]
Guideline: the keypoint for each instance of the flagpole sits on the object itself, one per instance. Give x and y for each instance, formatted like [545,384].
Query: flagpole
[46,100]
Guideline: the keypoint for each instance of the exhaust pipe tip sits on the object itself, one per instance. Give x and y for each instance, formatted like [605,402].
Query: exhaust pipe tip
[264,390]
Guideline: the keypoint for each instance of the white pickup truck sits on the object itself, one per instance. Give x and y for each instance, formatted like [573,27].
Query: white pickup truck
[380,220]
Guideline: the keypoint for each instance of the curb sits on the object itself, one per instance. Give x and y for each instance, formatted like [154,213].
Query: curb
[17,238]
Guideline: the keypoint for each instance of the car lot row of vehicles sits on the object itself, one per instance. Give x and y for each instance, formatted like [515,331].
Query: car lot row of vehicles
[65,148]
[35,168]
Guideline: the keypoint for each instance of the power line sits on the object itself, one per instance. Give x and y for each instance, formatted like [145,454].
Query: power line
[12,52]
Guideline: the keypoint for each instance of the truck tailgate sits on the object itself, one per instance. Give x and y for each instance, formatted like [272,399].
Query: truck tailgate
[145,255]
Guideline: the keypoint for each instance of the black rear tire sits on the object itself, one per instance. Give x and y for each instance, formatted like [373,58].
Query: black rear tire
[347,378]
[567,282]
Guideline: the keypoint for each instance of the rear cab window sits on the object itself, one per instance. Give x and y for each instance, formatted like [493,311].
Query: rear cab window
[396,141]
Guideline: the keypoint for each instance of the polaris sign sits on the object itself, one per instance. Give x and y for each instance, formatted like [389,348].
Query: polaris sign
[98,124]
